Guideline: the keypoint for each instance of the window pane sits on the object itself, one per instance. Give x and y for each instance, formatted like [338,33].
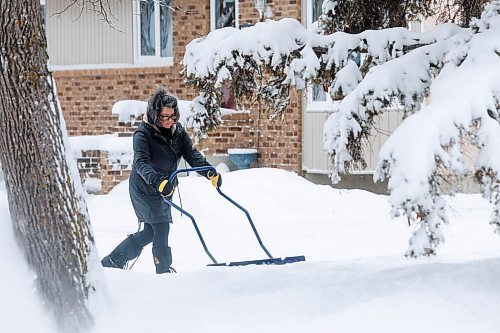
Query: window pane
[147,27]
[318,94]
[228,98]
[43,13]
[316,9]
[166,28]
[225,13]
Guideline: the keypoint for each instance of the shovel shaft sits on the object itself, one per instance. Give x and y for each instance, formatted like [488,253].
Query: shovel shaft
[249,220]
[170,203]
[203,168]
[206,168]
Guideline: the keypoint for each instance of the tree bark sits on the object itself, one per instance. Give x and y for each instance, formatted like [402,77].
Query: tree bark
[49,217]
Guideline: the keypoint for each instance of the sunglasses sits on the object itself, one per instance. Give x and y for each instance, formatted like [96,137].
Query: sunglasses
[168,117]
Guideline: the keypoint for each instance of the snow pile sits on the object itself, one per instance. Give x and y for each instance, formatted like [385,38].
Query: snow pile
[19,296]
[111,143]
[355,266]
[354,269]
[129,111]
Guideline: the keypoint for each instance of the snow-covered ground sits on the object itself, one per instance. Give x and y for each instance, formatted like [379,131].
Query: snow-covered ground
[355,278]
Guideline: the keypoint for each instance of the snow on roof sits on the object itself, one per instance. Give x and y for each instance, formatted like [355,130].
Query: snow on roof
[108,142]
[128,111]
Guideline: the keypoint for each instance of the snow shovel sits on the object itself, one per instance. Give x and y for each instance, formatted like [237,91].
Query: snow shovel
[269,261]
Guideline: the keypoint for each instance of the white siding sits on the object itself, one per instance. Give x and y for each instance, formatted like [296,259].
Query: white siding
[314,157]
[77,37]
[383,127]
[316,160]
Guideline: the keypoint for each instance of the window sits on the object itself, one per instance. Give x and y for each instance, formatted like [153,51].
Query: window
[314,10]
[417,25]
[224,13]
[228,99]
[42,5]
[318,93]
[317,97]
[155,25]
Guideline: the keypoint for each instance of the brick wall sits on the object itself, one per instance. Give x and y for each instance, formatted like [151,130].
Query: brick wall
[112,173]
[279,143]
[97,165]
[87,96]
[281,9]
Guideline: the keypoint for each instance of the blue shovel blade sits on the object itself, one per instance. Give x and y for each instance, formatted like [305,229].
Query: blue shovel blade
[273,261]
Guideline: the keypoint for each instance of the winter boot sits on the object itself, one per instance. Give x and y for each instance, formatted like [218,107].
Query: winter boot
[127,250]
[108,262]
[163,260]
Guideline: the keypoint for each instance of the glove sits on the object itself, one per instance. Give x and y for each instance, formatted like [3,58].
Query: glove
[215,178]
[165,188]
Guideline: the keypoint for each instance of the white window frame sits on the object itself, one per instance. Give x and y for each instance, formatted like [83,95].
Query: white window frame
[315,106]
[420,22]
[309,13]
[236,14]
[157,59]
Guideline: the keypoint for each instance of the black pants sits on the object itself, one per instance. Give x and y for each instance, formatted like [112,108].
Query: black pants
[132,246]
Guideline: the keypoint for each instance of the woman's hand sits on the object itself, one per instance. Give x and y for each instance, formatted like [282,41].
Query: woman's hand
[166,188]
[215,178]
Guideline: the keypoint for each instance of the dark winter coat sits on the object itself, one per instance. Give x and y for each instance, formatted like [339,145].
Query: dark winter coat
[156,156]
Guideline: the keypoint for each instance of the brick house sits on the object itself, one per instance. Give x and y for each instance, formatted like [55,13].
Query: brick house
[96,64]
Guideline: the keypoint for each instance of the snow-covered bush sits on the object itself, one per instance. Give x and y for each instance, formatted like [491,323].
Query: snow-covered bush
[445,82]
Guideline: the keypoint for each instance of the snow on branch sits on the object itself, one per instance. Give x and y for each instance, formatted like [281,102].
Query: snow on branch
[486,49]
[463,106]
[445,82]
[403,81]
[264,60]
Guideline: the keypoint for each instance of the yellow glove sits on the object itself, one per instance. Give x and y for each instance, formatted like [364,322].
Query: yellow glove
[166,189]
[215,178]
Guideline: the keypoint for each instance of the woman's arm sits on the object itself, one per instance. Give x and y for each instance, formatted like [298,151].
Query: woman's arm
[142,159]
[191,155]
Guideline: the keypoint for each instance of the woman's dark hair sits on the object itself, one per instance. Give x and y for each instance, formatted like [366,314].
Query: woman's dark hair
[160,99]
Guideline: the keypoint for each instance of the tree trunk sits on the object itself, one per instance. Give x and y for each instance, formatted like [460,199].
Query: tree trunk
[49,217]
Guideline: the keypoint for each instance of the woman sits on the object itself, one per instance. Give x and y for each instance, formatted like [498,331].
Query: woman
[159,143]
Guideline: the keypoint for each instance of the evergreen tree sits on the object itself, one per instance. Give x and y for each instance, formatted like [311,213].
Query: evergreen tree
[434,79]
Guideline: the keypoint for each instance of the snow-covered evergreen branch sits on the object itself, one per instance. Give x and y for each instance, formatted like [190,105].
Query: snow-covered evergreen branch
[463,101]
[266,59]
[445,82]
